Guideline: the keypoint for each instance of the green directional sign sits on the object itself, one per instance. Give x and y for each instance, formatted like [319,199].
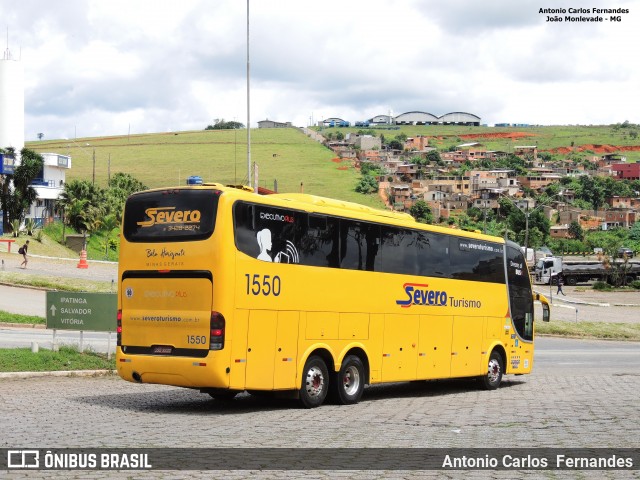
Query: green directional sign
[82,311]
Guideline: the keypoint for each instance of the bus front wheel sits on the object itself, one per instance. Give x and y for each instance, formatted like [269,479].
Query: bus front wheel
[495,368]
[348,384]
[315,382]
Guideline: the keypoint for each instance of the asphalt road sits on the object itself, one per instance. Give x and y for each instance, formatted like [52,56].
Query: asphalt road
[581,394]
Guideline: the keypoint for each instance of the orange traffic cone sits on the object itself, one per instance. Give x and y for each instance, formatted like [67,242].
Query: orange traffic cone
[83,260]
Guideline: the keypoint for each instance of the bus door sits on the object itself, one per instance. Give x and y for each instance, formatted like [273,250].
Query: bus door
[520,350]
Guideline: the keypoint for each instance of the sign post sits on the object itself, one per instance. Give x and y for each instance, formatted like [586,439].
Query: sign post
[81,311]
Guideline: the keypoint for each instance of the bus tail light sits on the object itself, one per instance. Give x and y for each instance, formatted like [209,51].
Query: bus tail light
[119,328]
[216,338]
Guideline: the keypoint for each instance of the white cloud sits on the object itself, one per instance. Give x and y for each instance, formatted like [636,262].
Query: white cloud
[95,67]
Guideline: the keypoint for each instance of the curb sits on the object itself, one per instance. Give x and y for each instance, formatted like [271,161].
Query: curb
[23,325]
[579,302]
[60,373]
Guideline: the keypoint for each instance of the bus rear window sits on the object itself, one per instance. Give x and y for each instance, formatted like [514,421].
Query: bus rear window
[170,216]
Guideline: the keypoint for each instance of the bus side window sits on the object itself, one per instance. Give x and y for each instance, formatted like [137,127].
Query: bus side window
[433,255]
[245,230]
[320,243]
[399,251]
[359,245]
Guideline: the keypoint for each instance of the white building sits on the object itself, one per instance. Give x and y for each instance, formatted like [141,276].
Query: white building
[11,103]
[49,185]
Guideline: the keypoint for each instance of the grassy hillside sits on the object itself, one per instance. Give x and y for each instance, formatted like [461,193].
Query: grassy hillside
[547,138]
[291,158]
[167,159]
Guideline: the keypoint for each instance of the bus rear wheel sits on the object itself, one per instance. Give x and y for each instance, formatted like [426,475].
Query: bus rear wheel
[495,368]
[315,382]
[348,384]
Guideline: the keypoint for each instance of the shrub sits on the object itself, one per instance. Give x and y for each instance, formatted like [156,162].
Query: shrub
[601,286]
[367,184]
[635,284]
[15,228]
[30,226]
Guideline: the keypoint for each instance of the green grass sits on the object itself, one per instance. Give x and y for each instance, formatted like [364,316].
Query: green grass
[592,330]
[545,137]
[284,154]
[95,243]
[55,283]
[6,317]
[67,358]
[167,159]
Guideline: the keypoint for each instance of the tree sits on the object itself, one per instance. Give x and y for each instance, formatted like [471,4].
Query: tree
[433,156]
[396,145]
[421,212]
[109,224]
[367,184]
[575,230]
[17,192]
[82,202]
[591,190]
[121,185]
[222,125]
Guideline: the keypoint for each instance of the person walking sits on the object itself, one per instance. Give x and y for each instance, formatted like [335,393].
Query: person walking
[560,281]
[23,251]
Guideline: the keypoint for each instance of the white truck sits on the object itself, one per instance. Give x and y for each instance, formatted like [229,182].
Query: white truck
[577,271]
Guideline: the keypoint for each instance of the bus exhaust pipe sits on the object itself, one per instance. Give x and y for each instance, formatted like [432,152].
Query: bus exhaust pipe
[136,377]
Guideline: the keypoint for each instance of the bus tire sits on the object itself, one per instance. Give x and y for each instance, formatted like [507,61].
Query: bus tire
[315,382]
[348,384]
[495,368]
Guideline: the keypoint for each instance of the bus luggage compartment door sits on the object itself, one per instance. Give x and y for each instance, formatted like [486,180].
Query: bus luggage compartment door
[166,315]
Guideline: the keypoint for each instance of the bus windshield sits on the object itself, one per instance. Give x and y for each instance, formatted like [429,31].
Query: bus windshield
[172,215]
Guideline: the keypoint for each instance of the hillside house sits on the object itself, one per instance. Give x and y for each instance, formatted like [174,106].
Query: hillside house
[626,171]
[619,218]
[526,151]
[624,202]
[538,182]
[559,231]
[407,171]
[502,180]
[271,124]
[364,142]
[457,184]
[419,143]
[400,197]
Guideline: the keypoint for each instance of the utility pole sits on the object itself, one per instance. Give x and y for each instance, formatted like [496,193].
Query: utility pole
[248,106]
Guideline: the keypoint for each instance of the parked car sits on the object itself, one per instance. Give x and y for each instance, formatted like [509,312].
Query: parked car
[625,252]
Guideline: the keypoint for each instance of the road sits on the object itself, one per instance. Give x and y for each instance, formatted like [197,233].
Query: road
[581,394]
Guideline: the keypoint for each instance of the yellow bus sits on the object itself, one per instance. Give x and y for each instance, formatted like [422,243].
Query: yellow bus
[224,290]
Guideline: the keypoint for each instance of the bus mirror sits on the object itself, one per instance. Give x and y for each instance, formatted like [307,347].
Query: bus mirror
[546,313]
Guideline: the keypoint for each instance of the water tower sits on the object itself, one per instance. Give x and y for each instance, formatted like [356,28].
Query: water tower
[11,102]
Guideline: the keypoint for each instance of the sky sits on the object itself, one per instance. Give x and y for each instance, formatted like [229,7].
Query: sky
[113,67]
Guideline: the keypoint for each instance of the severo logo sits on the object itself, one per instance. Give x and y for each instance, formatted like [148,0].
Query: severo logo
[420,294]
[169,216]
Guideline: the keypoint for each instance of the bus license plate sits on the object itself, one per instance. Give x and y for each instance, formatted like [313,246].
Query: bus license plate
[162,349]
